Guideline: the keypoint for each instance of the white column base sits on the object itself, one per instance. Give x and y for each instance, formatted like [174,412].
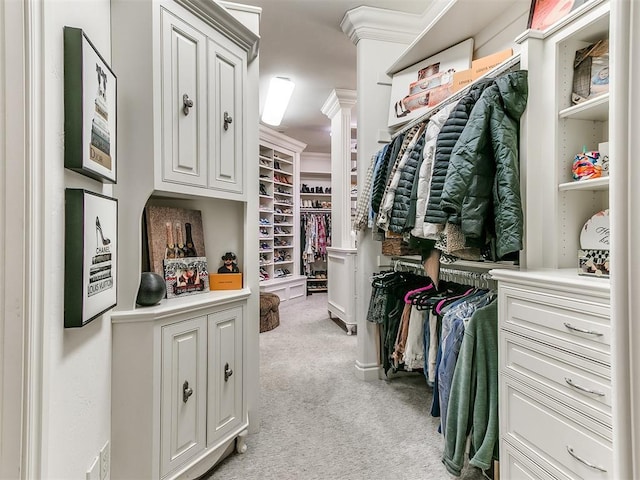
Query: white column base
[368,373]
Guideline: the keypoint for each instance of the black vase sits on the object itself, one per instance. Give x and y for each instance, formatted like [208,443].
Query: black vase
[152,289]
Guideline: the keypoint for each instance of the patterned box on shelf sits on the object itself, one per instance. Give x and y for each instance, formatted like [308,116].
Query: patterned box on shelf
[594,263]
[225,281]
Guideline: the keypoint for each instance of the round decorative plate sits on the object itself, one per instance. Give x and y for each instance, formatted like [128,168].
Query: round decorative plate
[595,233]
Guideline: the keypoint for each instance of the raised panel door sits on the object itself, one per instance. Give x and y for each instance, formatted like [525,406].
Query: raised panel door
[184,103]
[183,401]
[225,395]
[226,74]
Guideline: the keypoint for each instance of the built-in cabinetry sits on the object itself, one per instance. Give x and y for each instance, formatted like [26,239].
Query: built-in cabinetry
[178,385]
[555,375]
[556,204]
[279,244]
[183,370]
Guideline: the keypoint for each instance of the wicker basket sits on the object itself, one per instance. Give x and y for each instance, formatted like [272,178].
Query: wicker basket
[393,247]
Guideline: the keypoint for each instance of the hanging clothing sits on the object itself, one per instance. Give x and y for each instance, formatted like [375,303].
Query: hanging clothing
[315,236]
[447,138]
[485,160]
[423,183]
[473,401]
[364,199]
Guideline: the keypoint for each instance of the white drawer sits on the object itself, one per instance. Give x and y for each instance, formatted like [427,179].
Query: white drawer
[516,466]
[581,383]
[579,326]
[535,423]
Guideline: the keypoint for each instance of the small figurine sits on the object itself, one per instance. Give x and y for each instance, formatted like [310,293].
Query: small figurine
[230,265]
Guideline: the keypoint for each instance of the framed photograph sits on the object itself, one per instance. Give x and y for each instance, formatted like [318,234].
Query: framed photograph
[423,85]
[172,233]
[186,276]
[544,13]
[90,266]
[90,140]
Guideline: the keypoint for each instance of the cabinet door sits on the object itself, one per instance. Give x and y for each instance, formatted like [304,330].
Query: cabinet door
[184,100]
[225,395]
[227,71]
[183,402]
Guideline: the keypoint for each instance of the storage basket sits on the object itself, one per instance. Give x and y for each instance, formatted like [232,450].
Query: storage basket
[396,246]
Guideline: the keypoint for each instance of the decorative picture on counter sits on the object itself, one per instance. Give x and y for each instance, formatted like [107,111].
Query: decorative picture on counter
[173,233]
[89,109]
[90,256]
[186,276]
[230,264]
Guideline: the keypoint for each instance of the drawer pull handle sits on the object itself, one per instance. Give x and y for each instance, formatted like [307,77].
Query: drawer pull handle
[584,389]
[582,330]
[227,120]
[590,465]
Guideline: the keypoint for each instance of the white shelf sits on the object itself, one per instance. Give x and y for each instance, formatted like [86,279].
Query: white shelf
[315,174]
[596,109]
[457,21]
[283,172]
[315,210]
[595,184]
[315,194]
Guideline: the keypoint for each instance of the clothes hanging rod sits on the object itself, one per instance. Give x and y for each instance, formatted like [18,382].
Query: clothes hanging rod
[504,67]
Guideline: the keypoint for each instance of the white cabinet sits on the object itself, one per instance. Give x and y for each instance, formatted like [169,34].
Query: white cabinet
[181,96]
[226,77]
[179,396]
[184,102]
[555,374]
[225,372]
[184,396]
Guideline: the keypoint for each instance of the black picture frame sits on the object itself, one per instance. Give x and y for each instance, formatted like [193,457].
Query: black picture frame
[90,109]
[91,244]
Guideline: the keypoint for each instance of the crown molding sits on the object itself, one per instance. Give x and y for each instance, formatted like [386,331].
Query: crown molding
[380,24]
[276,138]
[339,98]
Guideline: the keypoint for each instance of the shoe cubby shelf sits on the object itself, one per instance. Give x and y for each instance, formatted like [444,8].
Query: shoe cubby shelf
[278,158]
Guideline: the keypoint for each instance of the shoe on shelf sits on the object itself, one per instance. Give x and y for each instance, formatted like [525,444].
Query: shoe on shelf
[263,189]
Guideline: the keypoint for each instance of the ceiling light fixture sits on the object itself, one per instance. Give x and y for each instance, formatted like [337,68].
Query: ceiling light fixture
[280,90]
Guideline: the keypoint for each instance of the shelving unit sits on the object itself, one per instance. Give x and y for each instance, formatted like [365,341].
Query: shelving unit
[278,163]
[315,175]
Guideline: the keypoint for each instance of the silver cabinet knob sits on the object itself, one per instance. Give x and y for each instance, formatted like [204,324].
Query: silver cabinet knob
[186,391]
[227,372]
[227,120]
[187,103]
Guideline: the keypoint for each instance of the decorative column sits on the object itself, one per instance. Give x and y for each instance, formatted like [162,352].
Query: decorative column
[380,37]
[338,108]
[342,253]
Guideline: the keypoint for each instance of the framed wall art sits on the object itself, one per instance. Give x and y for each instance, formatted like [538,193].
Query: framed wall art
[544,13]
[90,266]
[90,94]
[425,84]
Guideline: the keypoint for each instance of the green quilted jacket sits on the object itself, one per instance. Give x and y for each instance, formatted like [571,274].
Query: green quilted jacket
[483,178]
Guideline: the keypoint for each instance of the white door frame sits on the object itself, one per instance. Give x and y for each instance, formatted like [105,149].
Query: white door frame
[21,233]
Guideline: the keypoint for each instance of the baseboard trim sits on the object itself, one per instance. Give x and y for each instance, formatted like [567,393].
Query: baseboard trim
[369,372]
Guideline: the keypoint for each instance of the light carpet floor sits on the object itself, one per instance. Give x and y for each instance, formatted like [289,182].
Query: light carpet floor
[320,422]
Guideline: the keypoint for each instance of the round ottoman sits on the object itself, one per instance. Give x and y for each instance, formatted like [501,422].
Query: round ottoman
[269,313]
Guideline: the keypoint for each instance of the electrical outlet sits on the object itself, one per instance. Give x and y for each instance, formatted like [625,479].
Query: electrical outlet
[104,461]
[94,471]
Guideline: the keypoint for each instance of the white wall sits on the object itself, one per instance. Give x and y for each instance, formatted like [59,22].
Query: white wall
[76,362]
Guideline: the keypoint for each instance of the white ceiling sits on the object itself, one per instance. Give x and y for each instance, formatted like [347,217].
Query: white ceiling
[302,40]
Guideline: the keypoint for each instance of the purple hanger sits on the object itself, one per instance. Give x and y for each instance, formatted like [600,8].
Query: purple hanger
[418,290]
[445,300]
